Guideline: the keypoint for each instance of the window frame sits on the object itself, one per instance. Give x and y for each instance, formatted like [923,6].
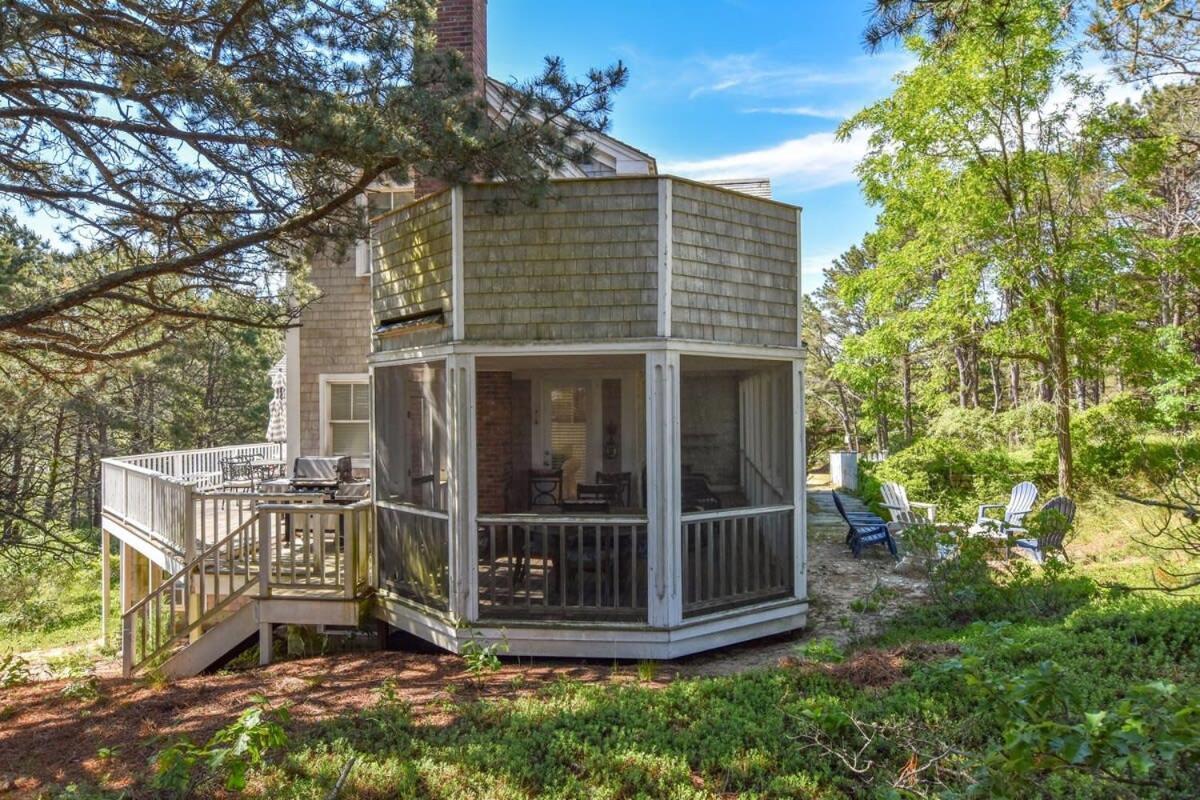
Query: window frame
[328,381]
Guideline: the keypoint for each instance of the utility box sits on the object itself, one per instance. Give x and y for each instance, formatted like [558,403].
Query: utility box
[843,470]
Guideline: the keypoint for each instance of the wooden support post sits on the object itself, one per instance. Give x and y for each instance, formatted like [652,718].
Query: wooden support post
[265,642]
[105,583]
[799,484]
[264,554]
[460,461]
[348,526]
[664,556]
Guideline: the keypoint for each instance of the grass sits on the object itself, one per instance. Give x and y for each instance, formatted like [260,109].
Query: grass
[63,611]
[906,715]
[803,730]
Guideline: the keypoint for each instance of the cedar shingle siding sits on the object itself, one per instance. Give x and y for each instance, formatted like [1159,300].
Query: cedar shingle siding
[580,266]
[734,269]
[583,265]
[413,249]
[335,336]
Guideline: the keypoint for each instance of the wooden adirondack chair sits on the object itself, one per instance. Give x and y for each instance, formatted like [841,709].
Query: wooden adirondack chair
[865,529]
[895,500]
[1020,503]
[1053,531]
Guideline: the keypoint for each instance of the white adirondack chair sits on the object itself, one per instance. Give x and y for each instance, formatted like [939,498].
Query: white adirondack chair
[895,500]
[1020,503]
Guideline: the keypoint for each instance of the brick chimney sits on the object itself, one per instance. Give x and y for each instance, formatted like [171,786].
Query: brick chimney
[461,25]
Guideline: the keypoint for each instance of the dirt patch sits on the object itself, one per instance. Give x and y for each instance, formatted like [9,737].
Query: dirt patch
[47,739]
[876,669]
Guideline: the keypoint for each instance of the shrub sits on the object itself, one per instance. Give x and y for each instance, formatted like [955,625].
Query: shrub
[31,615]
[183,768]
[954,475]
[965,585]
[974,427]
[14,671]
[1024,425]
[1149,739]
[1106,437]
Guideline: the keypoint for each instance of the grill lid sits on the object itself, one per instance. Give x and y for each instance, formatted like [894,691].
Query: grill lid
[330,470]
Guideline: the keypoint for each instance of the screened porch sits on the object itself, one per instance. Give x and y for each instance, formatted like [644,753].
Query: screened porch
[585,487]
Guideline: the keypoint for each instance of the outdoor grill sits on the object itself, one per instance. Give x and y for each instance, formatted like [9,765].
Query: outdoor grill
[321,474]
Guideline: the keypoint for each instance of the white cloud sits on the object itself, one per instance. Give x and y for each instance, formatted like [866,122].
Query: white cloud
[755,74]
[816,112]
[811,162]
[812,269]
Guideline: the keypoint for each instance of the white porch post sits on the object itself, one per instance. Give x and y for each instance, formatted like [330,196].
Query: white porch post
[105,583]
[664,565]
[291,345]
[799,483]
[461,501]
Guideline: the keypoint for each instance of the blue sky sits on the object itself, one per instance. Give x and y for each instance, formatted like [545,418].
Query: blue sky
[725,88]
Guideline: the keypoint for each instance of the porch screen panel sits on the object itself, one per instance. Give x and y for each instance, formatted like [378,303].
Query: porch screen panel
[410,435]
[414,555]
[411,443]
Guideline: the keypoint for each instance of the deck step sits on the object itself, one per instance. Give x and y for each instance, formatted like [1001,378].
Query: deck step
[214,644]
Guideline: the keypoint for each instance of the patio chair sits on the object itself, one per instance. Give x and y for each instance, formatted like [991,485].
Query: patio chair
[895,500]
[1054,523]
[697,495]
[865,530]
[1020,503]
[237,474]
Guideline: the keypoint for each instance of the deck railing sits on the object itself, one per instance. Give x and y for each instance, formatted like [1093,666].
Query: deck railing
[562,567]
[201,468]
[170,498]
[736,557]
[307,551]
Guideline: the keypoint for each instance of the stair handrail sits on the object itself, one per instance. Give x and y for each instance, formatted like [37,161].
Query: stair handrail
[154,597]
[766,479]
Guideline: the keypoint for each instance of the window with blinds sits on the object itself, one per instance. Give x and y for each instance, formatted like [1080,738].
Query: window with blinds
[349,419]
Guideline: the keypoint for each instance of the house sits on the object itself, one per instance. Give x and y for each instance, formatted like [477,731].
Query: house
[582,424]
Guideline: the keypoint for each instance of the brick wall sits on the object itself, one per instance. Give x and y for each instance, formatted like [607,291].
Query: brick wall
[335,336]
[462,26]
[493,434]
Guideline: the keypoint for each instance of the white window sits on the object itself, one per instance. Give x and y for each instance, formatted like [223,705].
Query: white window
[346,416]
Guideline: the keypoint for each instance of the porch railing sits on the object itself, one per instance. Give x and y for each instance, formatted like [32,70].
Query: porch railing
[310,551]
[562,567]
[736,557]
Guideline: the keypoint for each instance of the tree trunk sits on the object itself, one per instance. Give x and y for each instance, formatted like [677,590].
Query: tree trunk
[49,509]
[960,361]
[1060,373]
[1014,383]
[996,392]
[906,390]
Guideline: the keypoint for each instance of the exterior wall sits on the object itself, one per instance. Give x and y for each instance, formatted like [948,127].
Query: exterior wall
[412,270]
[734,271]
[580,266]
[335,337]
[493,440]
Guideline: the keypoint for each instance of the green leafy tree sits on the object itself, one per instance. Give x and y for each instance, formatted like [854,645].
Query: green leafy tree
[988,164]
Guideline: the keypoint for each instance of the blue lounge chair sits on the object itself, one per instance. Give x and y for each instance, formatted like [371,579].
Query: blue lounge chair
[865,530]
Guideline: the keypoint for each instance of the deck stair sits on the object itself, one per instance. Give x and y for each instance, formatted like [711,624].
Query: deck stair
[286,563]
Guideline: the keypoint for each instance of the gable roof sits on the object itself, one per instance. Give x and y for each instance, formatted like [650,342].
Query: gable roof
[623,157]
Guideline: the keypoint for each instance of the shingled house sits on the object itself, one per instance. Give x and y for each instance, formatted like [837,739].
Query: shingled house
[582,425]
